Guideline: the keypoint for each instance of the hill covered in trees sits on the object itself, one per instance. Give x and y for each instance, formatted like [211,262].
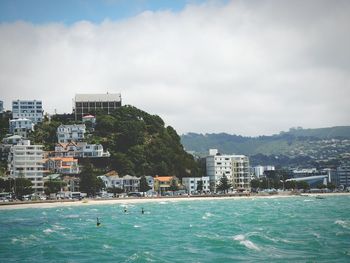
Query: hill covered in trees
[139,144]
[300,145]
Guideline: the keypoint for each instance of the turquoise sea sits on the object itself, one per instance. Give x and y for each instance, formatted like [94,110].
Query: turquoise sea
[295,229]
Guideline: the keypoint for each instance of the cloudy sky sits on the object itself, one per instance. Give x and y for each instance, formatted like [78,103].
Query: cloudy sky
[242,67]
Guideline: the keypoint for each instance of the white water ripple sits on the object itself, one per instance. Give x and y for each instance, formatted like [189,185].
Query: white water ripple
[247,243]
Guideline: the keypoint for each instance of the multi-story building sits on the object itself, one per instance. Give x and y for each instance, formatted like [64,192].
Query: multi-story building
[343,175]
[80,149]
[191,184]
[62,165]
[128,183]
[26,161]
[259,170]
[85,104]
[235,167]
[21,127]
[163,183]
[70,133]
[28,109]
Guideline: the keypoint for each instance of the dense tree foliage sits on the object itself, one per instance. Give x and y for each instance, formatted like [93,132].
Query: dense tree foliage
[144,187]
[22,186]
[53,186]
[140,144]
[224,184]
[89,183]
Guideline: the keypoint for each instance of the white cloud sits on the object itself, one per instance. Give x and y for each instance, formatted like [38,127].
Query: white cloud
[246,67]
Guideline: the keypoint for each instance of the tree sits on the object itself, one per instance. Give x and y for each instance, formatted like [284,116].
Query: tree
[224,184]
[173,185]
[22,186]
[200,186]
[302,185]
[331,186]
[115,190]
[53,186]
[89,183]
[290,184]
[255,183]
[144,187]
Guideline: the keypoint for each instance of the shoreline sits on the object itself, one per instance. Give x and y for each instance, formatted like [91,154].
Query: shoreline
[140,200]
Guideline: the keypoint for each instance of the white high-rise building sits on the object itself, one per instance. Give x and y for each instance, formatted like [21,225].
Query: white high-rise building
[28,109]
[235,167]
[70,133]
[26,161]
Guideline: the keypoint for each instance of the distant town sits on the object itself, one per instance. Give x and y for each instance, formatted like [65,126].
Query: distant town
[62,169]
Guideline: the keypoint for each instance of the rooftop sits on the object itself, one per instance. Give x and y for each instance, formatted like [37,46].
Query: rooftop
[98,97]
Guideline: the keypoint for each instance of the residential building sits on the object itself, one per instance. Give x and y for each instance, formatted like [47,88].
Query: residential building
[26,160]
[191,184]
[85,104]
[343,175]
[62,165]
[70,133]
[80,149]
[235,167]
[28,109]
[128,183]
[6,145]
[89,118]
[259,170]
[21,127]
[162,183]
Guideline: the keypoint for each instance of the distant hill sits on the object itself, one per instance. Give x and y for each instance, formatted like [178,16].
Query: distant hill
[295,142]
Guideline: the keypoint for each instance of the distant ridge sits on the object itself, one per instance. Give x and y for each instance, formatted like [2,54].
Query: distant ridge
[282,143]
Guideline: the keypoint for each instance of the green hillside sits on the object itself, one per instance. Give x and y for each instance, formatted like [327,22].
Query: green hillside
[296,141]
[139,144]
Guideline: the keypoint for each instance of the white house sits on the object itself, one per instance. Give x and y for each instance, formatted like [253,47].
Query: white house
[26,161]
[191,184]
[21,127]
[80,149]
[70,133]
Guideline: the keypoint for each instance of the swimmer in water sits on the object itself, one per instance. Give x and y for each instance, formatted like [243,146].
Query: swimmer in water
[142,211]
[125,210]
[98,222]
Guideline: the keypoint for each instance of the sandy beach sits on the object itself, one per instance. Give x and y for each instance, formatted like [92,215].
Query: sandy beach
[88,202]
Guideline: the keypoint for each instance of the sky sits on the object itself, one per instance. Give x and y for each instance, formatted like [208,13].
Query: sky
[250,68]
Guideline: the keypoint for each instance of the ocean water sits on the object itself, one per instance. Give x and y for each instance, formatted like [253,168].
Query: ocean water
[295,229]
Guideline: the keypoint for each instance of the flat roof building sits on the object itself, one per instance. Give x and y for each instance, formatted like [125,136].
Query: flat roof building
[28,109]
[85,104]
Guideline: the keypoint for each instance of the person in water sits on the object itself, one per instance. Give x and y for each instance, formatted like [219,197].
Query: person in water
[125,210]
[98,222]
[142,211]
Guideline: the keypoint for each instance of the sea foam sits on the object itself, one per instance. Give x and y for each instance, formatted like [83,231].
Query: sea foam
[247,243]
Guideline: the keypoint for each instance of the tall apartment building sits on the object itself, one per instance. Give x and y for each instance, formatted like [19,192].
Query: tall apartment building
[70,133]
[85,104]
[235,167]
[28,109]
[26,161]
[191,184]
[343,175]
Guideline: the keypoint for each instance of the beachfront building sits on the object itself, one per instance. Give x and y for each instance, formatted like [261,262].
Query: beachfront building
[21,127]
[259,170]
[191,184]
[128,183]
[80,149]
[162,183]
[62,165]
[28,109]
[85,104]
[235,167]
[343,176]
[70,133]
[26,160]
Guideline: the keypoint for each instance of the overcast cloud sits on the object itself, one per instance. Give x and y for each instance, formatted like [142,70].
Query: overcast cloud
[245,67]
